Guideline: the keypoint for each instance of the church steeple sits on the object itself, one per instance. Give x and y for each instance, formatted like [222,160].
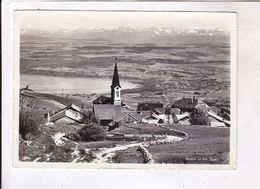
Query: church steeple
[115,81]
[115,88]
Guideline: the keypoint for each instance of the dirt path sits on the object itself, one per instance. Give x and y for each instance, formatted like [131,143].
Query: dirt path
[105,155]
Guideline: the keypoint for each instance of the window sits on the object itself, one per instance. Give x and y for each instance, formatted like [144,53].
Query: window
[117,93]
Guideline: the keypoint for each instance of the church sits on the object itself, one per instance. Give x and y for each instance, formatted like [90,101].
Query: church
[109,111]
[115,98]
[112,111]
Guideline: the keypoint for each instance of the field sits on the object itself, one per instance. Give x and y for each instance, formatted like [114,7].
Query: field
[169,69]
[207,145]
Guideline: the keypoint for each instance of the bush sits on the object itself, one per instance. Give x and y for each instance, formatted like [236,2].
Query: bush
[160,121]
[29,121]
[73,136]
[198,117]
[88,117]
[92,133]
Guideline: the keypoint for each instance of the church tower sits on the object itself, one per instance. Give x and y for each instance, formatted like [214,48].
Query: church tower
[116,88]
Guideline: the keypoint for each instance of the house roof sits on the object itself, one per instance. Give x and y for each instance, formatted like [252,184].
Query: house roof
[185,103]
[214,109]
[74,107]
[214,115]
[182,116]
[137,115]
[102,100]
[71,106]
[152,117]
[176,111]
[61,114]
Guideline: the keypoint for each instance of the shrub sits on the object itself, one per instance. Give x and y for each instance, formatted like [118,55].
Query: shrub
[73,136]
[88,117]
[160,121]
[198,117]
[29,121]
[92,133]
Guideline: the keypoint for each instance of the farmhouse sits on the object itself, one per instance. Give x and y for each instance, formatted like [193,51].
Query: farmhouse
[183,119]
[69,114]
[137,116]
[215,115]
[216,120]
[186,104]
[166,115]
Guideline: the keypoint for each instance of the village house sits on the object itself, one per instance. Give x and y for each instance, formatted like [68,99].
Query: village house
[137,116]
[183,119]
[215,120]
[186,104]
[166,115]
[214,115]
[69,114]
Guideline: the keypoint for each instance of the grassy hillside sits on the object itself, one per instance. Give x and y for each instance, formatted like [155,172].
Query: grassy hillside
[205,145]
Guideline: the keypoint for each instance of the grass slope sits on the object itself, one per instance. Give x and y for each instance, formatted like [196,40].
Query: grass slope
[206,145]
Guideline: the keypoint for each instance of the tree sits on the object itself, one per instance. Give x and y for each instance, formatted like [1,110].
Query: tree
[88,117]
[29,122]
[92,133]
[160,121]
[198,117]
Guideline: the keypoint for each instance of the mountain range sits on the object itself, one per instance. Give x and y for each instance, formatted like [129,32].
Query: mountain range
[132,35]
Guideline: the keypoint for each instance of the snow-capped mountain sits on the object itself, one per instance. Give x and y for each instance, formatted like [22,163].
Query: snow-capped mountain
[131,35]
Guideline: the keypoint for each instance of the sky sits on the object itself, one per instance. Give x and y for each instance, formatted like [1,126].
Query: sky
[55,20]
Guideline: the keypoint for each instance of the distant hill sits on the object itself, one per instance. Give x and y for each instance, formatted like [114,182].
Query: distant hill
[130,35]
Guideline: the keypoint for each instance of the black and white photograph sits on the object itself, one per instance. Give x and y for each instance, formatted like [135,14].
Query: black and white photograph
[125,87]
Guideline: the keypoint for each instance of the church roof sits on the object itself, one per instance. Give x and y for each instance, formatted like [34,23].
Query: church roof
[108,112]
[115,81]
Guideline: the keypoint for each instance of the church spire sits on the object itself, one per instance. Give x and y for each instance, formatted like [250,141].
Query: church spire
[115,88]
[115,81]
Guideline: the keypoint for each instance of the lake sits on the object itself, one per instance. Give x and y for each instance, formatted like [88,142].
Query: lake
[69,85]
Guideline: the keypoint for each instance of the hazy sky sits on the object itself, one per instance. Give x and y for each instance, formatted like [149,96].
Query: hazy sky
[53,20]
